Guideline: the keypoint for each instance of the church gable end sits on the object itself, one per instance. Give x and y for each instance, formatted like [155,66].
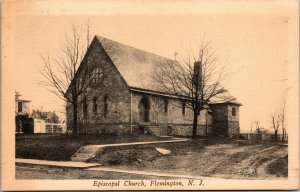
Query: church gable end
[105,106]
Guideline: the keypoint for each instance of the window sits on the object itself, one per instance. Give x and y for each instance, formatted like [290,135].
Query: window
[95,106]
[233,111]
[84,106]
[183,108]
[97,74]
[166,103]
[20,107]
[105,102]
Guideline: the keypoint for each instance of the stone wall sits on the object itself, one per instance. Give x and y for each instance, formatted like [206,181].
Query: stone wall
[103,128]
[233,121]
[219,119]
[187,130]
[110,116]
[224,121]
[171,122]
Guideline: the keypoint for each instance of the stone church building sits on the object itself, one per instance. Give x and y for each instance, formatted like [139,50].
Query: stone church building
[124,99]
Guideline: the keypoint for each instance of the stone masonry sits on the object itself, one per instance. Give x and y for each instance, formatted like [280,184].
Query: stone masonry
[114,105]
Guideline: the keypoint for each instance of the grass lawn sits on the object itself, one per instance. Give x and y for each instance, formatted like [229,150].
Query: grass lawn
[62,147]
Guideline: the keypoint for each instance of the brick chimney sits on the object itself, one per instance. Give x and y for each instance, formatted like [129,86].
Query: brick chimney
[197,76]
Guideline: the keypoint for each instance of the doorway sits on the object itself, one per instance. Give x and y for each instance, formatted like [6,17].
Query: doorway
[144,109]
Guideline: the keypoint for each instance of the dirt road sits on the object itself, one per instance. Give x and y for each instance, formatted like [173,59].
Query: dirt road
[223,160]
[230,161]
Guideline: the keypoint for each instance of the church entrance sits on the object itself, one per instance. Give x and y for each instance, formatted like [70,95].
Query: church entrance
[144,109]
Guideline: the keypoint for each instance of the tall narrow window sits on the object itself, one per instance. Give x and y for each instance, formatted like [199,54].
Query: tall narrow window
[95,106]
[166,104]
[20,106]
[183,108]
[233,111]
[84,106]
[105,102]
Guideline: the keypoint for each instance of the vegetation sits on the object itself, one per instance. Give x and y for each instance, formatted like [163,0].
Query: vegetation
[60,72]
[47,116]
[196,79]
[279,167]
[275,125]
[62,147]
[279,120]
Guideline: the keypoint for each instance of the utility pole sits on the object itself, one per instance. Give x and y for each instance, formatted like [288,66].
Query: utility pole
[175,55]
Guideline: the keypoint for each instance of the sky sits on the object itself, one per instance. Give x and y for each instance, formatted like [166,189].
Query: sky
[251,38]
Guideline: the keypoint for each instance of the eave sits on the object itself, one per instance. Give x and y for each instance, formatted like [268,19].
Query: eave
[162,94]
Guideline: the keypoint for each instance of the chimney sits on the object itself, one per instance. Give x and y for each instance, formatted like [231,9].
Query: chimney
[197,76]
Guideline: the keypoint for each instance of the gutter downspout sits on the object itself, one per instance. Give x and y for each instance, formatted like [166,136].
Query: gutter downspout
[130,112]
[206,125]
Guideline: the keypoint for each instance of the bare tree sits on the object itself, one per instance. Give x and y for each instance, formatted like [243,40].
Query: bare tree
[282,117]
[196,79]
[275,124]
[60,72]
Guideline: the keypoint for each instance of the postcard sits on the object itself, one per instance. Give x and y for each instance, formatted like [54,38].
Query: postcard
[149,95]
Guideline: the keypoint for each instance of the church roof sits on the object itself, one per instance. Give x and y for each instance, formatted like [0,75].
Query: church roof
[137,66]
[224,97]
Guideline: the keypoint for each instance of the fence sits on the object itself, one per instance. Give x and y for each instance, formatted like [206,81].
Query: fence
[263,136]
[54,128]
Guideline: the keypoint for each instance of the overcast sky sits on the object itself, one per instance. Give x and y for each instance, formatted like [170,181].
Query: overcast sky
[251,38]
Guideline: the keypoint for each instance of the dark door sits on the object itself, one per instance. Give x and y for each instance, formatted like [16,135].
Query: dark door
[144,108]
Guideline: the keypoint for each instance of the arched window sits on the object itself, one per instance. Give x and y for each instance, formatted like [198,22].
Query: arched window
[183,108]
[166,105]
[105,104]
[95,106]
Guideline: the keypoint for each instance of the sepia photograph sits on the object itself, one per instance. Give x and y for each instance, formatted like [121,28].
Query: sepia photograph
[149,95]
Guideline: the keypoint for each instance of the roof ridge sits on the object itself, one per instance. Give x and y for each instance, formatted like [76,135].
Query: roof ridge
[136,48]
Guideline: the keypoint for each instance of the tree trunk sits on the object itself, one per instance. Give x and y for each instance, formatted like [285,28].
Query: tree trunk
[195,122]
[275,137]
[75,124]
[283,132]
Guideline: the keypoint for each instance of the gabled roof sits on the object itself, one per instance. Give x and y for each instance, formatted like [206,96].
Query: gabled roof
[137,66]
[224,97]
